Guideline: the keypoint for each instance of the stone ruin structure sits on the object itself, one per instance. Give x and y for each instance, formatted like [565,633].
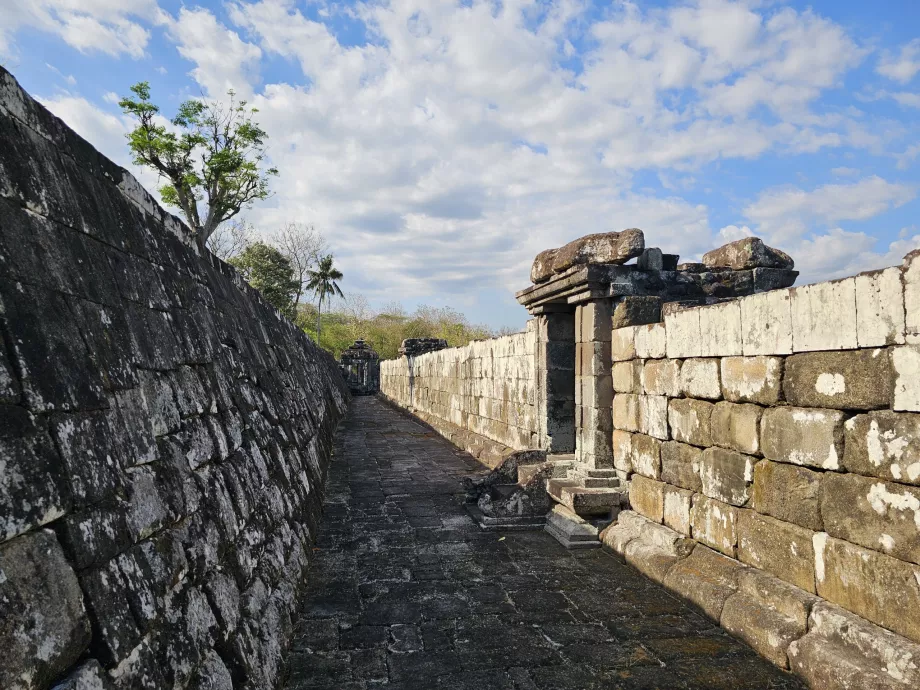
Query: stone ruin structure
[361,368]
[418,346]
[752,446]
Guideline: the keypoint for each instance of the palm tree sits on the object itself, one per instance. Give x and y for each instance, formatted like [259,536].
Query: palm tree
[322,282]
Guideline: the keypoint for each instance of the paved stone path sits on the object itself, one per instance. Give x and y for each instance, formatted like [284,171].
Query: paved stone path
[407,592]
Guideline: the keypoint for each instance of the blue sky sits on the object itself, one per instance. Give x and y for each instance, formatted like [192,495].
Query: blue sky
[440,145]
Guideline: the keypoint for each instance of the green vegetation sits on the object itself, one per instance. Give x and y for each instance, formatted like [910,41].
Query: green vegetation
[270,272]
[323,284]
[209,152]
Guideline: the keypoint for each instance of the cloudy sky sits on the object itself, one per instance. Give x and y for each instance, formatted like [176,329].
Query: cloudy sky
[439,145]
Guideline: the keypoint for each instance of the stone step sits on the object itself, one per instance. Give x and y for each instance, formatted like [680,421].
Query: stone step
[585,500]
[601,482]
[598,474]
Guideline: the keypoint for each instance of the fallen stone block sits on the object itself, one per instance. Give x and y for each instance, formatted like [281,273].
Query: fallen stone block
[752,379]
[778,547]
[803,436]
[599,248]
[705,578]
[842,651]
[868,583]
[851,380]
[789,493]
[768,614]
[884,444]
[750,252]
[689,421]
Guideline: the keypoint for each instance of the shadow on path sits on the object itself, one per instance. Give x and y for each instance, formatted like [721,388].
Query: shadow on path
[407,592]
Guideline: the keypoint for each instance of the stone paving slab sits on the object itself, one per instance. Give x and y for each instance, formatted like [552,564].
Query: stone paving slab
[407,592]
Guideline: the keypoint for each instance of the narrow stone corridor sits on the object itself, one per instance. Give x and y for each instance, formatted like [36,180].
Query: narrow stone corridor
[407,592]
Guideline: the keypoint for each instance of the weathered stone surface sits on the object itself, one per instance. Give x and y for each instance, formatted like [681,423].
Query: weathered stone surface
[803,436]
[622,450]
[699,378]
[542,268]
[906,363]
[884,444]
[727,475]
[788,493]
[626,412]
[867,582]
[845,652]
[750,252]
[736,426]
[911,277]
[623,344]
[653,416]
[689,421]
[874,514]
[768,614]
[599,248]
[646,497]
[824,316]
[677,506]
[720,330]
[773,278]
[880,308]
[705,578]
[646,456]
[856,380]
[627,527]
[780,548]
[636,310]
[87,676]
[683,333]
[680,465]
[752,379]
[661,377]
[657,549]
[715,524]
[627,376]
[45,627]
[766,323]
[651,341]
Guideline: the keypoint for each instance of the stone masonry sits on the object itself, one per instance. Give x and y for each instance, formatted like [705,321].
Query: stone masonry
[164,436]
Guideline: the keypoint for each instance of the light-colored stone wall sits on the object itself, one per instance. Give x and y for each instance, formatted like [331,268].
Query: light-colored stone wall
[488,387]
[779,436]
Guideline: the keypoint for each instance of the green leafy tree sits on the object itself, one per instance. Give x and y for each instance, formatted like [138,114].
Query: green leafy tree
[213,153]
[269,272]
[322,283]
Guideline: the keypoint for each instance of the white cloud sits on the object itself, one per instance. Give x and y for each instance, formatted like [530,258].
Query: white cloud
[844,172]
[903,66]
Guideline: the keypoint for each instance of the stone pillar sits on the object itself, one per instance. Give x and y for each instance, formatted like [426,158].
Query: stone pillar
[555,367]
[593,385]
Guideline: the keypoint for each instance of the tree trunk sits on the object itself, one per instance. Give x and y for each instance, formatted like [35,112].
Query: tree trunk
[319,322]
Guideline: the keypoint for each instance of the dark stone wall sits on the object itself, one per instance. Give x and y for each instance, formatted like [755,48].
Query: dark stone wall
[164,435]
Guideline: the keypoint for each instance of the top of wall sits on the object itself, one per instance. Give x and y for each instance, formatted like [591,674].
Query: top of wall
[514,344]
[872,309]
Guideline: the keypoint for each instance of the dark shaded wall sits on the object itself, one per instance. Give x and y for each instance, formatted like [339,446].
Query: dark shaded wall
[164,435]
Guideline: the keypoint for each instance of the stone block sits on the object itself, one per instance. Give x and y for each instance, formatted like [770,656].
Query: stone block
[622,450]
[768,614]
[884,444]
[677,506]
[736,426]
[906,363]
[683,333]
[646,456]
[872,513]
[699,378]
[714,524]
[851,380]
[752,379]
[727,475]
[824,316]
[911,277]
[45,627]
[877,587]
[594,321]
[803,436]
[720,330]
[766,323]
[636,310]
[705,578]
[661,377]
[788,493]
[90,676]
[596,391]
[627,376]
[747,253]
[623,344]
[656,550]
[651,341]
[646,497]
[592,359]
[778,547]
[680,465]
[845,652]
[653,416]
[626,412]
[628,526]
[879,308]
[690,421]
